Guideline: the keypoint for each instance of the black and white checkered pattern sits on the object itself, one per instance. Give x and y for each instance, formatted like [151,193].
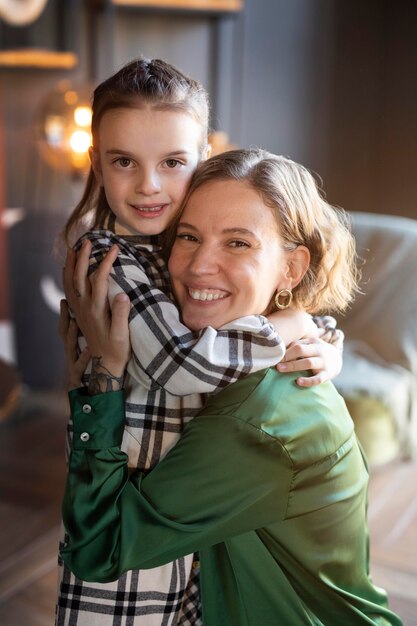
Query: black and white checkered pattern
[333,335]
[191,613]
[131,600]
[169,370]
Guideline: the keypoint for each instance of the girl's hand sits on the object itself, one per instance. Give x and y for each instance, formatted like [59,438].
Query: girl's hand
[106,332]
[322,358]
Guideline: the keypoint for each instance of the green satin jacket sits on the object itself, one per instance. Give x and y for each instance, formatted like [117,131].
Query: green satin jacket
[267,483]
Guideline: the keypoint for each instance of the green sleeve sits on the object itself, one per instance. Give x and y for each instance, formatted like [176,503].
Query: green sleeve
[224,477]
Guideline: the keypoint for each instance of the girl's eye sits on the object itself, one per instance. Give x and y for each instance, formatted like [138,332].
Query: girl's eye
[172,163]
[123,161]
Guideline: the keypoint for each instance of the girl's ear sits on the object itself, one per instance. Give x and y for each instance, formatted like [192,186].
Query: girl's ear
[298,261]
[207,152]
[95,164]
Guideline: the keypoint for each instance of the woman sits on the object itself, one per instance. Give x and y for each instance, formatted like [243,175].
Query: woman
[268,482]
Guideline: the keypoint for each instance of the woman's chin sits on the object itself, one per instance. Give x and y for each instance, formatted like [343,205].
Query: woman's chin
[199,322]
[196,325]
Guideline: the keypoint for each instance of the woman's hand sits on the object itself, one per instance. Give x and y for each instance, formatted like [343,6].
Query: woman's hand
[106,332]
[76,364]
[322,358]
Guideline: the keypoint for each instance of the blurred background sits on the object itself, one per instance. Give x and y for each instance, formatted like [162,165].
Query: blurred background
[328,83]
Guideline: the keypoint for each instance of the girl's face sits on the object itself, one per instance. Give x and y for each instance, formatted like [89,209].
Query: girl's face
[144,160]
[227,260]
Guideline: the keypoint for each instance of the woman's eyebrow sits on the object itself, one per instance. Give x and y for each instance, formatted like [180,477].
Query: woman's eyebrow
[227,231]
[240,231]
[186,225]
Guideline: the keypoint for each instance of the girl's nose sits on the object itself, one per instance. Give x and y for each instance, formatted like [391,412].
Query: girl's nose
[148,183]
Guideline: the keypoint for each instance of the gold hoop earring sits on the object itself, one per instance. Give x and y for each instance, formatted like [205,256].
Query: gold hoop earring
[287,295]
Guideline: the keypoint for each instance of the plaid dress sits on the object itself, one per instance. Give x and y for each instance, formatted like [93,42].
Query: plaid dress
[170,370]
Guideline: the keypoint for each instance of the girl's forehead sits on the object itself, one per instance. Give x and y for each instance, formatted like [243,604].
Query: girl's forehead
[146,128]
[142,113]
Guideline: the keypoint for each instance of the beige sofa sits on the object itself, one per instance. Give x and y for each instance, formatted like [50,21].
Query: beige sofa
[379,376]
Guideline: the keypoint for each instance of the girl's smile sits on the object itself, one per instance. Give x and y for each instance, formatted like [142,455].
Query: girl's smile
[150,211]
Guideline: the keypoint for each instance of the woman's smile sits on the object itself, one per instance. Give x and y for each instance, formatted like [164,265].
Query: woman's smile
[206,295]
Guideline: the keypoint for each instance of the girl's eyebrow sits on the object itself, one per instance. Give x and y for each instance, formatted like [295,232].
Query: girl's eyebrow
[167,153]
[178,152]
[118,151]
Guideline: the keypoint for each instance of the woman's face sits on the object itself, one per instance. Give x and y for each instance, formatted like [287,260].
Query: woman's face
[227,260]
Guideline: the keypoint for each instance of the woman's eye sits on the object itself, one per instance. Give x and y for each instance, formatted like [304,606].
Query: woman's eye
[238,243]
[186,237]
[172,163]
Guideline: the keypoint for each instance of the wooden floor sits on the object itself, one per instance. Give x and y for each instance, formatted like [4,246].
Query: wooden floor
[32,472]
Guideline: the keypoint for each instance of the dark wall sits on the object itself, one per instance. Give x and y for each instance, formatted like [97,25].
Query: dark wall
[331,84]
[334,85]
[372,147]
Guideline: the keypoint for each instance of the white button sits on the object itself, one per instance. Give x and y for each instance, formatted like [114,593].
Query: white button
[87,408]
[84,436]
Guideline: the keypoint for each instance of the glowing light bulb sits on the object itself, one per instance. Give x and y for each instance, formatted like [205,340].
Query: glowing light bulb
[71,97]
[64,128]
[82,116]
[54,129]
[80,141]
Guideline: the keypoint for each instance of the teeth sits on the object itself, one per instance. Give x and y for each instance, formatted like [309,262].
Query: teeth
[204,295]
[152,209]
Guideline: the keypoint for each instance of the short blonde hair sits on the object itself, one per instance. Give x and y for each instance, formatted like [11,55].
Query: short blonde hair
[304,219]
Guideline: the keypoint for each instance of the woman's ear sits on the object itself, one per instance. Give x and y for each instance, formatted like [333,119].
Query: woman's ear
[95,164]
[298,261]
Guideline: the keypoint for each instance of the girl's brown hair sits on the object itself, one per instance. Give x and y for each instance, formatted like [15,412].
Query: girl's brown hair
[140,82]
[304,218]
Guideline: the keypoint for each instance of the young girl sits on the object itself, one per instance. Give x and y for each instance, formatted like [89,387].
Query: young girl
[149,127]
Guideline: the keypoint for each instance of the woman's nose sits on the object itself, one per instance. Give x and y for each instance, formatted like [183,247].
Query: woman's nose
[204,261]
[148,183]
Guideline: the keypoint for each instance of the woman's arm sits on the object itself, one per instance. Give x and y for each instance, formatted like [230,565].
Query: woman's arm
[196,497]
